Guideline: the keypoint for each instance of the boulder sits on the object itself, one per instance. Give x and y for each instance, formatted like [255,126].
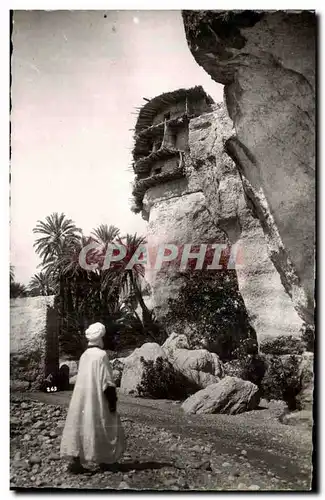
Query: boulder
[231,396]
[19,385]
[197,365]
[175,341]
[134,368]
[303,418]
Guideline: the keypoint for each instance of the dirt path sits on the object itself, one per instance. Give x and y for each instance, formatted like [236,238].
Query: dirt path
[248,451]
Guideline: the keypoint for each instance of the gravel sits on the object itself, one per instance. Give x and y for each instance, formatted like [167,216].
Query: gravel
[163,453]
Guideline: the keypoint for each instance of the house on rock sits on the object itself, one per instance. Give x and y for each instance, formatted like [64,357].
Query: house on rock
[161,138]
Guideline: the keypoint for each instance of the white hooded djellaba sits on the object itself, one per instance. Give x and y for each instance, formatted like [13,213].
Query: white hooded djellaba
[92,432]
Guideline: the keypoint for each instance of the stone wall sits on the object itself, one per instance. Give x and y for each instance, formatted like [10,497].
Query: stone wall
[33,341]
[167,165]
[175,110]
[266,60]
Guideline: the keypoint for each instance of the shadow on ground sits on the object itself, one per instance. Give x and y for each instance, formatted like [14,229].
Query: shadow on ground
[135,465]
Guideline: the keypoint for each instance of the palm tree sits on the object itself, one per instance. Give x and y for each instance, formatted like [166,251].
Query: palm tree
[57,232]
[40,284]
[109,294]
[128,281]
[104,234]
[12,274]
[85,284]
[17,290]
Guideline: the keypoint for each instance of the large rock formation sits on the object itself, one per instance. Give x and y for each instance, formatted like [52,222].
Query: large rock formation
[33,341]
[271,311]
[173,363]
[203,304]
[210,205]
[266,60]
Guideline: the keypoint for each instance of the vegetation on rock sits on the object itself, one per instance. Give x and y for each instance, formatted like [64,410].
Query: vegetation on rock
[284,344]
[248,365]
[162,381]
[282,379]
[215,299]
[308,337]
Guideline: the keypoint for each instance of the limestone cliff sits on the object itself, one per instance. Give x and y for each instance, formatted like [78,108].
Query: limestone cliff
[266,60]
[203,304]
[270,308]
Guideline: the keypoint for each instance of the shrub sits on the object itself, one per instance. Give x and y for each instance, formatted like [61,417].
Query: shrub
[233,368]
[308,337]
[250,367]
[284,344]
[246,347]
[209,303]
[254,369]
[282,380]
[161,380]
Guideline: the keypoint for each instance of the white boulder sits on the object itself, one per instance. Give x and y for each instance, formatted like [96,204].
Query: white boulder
[175,341]
[198,365]
[134,369]
[231,395]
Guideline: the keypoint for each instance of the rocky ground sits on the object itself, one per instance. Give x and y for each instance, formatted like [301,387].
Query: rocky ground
[167,450]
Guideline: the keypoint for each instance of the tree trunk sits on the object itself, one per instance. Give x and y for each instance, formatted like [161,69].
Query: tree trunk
[149,325]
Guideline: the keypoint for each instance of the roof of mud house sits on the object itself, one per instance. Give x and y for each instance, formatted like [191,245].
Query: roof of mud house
[152,107]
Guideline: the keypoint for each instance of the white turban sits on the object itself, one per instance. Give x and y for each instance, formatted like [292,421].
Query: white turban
[95,333]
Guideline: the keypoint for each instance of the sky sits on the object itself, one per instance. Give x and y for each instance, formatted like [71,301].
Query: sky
[77,77]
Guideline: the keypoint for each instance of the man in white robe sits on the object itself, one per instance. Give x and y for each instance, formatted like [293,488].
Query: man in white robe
[93,430]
